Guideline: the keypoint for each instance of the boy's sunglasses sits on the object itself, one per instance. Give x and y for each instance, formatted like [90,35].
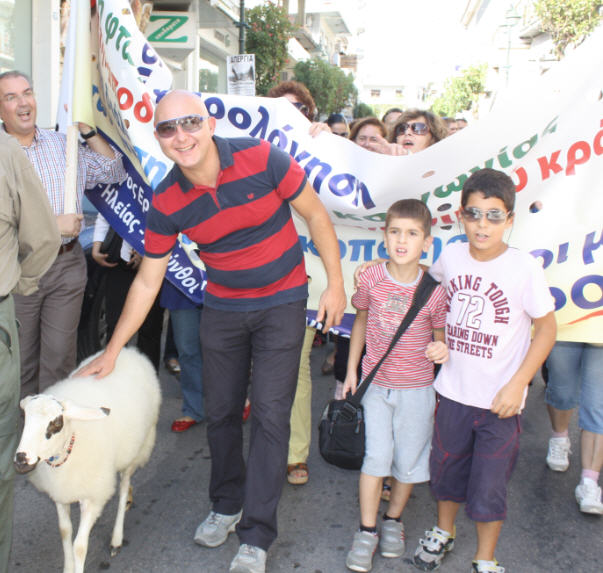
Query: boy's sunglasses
[417,127]
[188,123]
[473,214]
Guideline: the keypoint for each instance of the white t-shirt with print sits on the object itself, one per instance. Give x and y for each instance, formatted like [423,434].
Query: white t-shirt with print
[490,308]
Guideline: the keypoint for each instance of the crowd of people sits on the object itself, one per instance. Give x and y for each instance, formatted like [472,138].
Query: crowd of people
[460,432]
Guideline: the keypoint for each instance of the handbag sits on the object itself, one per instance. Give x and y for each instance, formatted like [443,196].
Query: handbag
[341,431]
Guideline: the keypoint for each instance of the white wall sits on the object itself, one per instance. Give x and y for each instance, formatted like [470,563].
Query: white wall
[45,54]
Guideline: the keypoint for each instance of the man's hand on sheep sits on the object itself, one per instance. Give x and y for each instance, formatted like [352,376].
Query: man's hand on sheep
[102,365]
[141,296]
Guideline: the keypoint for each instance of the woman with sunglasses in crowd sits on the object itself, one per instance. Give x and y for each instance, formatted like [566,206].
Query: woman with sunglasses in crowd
[417,129]
[299,95]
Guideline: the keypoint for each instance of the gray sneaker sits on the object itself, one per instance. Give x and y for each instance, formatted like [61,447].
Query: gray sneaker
[360,557]
[249,559]
[392,539]
[214,530]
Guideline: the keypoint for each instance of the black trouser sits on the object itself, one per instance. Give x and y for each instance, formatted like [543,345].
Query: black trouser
[269,341]
[119,280]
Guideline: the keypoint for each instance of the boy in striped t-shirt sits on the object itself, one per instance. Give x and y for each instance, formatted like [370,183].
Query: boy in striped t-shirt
[400,402]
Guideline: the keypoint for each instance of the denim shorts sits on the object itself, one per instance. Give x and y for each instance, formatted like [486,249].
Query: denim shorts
[399,425]
[576,379]
[472,457]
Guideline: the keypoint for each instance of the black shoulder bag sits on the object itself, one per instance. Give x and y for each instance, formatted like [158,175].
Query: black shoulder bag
[341,428]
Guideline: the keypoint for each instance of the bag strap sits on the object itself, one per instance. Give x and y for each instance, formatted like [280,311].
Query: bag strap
[424,289]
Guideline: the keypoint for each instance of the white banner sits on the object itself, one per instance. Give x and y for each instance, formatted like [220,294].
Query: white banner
[549,138]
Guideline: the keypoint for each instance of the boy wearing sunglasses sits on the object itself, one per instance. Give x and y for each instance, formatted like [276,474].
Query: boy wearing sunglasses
[233,197]
[495,295]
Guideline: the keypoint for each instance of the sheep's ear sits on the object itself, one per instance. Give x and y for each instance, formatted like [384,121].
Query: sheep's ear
[25,401]
[75,412]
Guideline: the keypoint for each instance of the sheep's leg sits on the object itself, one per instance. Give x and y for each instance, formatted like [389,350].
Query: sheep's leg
[66,530]
[130,501]
[118,528]
[89,512]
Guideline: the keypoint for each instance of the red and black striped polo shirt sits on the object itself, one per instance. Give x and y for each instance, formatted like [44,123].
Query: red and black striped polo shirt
[243,228]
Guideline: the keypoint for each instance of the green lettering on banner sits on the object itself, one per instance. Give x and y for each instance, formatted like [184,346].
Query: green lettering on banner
[164,32]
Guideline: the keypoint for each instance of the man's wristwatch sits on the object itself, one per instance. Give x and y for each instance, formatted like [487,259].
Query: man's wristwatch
[90,134]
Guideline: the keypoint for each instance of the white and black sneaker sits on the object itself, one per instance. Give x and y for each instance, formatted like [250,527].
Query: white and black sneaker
[481,566]
[433,548]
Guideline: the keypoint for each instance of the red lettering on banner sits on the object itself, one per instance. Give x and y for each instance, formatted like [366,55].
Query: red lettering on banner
[548,165]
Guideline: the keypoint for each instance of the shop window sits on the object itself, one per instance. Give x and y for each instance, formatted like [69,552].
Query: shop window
[208,77]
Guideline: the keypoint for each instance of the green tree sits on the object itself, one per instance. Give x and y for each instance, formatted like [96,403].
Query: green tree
[267,37]
[461,92]
[363,110]
[568,21]
[331,88]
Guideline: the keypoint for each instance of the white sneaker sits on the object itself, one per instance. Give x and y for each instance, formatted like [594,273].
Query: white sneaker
[557,457]
[588,495]
[214,530]
[249,559]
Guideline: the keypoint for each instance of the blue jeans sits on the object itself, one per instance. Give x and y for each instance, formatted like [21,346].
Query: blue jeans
[187,336]
[575,378]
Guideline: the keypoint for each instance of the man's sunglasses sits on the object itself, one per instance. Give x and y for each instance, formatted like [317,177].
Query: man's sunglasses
[417,127]
[188,123]
[473,214]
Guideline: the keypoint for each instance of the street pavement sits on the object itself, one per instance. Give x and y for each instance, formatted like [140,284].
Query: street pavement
[544,532]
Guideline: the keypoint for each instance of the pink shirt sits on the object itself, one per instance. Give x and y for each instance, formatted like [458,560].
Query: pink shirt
[488,325]
[387,302]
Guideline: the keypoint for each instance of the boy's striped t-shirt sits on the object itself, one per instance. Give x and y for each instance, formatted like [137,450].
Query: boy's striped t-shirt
[387,302]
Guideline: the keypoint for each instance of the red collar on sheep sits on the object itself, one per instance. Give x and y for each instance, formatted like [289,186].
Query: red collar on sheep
[51,461]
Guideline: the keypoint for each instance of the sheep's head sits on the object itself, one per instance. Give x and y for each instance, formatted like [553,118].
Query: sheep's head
[47,429]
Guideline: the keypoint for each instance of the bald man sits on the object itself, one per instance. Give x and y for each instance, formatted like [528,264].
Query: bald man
[233,197]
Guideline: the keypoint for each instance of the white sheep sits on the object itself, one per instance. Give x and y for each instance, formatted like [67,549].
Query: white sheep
[83,431]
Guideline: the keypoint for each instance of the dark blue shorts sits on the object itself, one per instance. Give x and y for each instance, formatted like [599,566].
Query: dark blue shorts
[472,457]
